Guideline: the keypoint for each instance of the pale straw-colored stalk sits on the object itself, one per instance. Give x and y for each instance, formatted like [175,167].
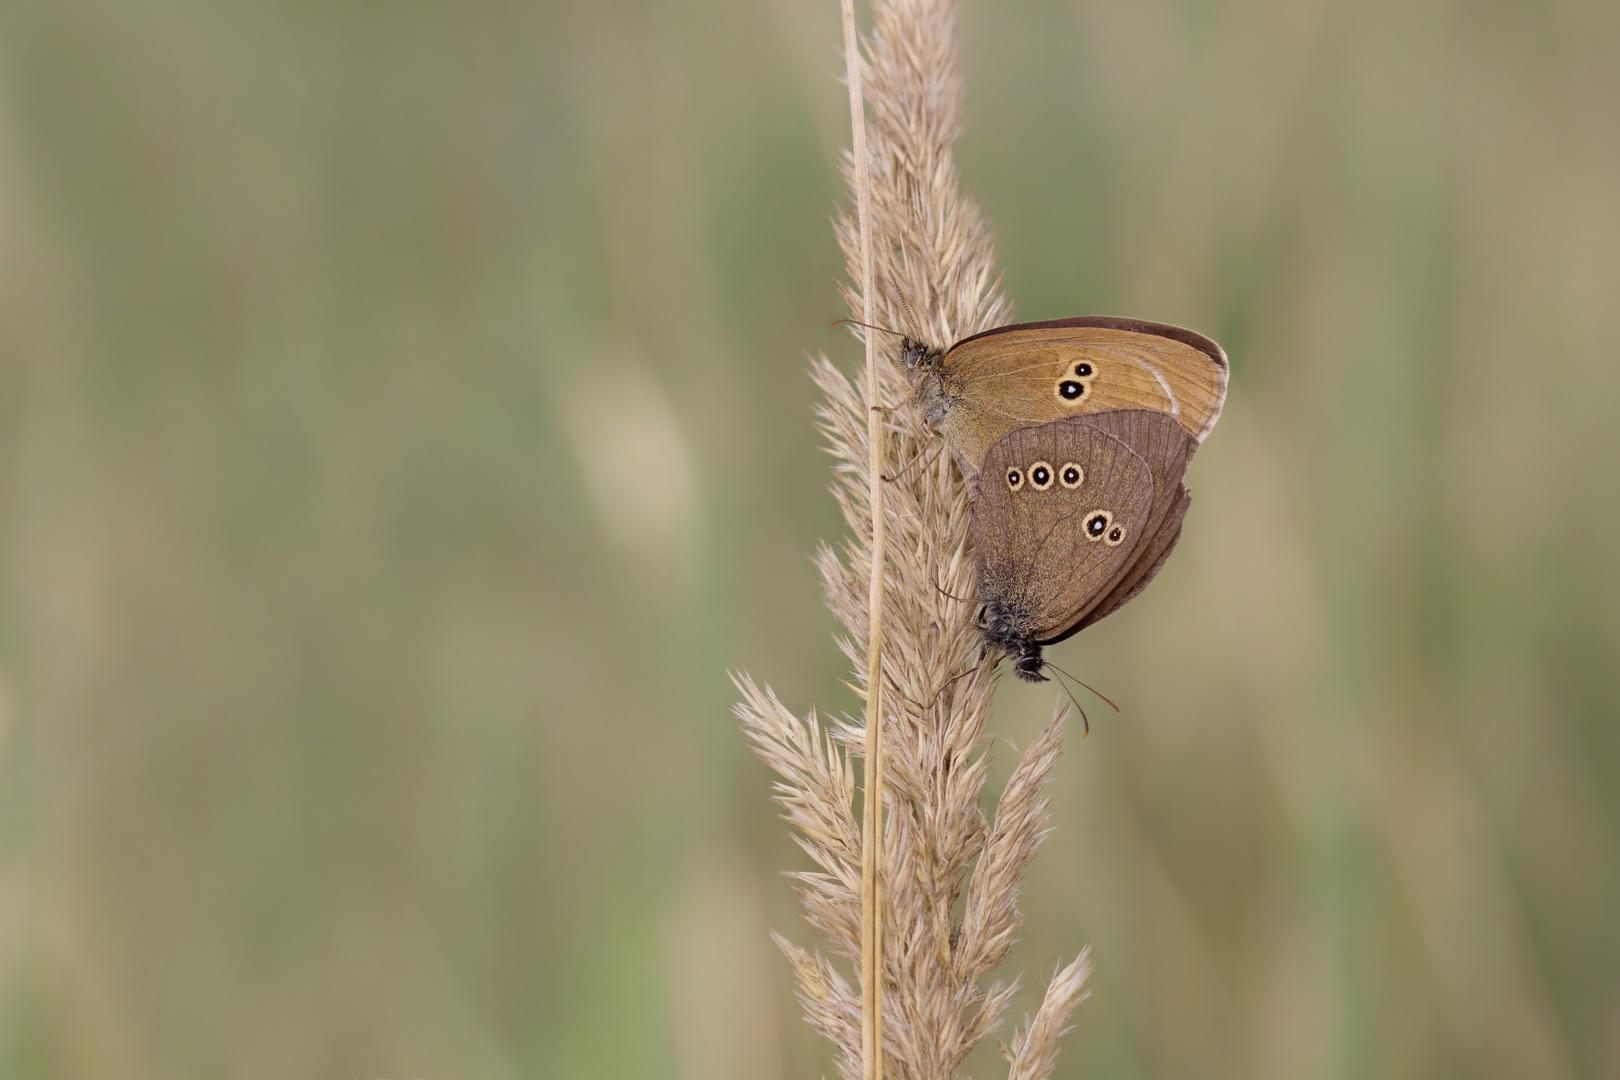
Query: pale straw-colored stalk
[951,872]
[872,800]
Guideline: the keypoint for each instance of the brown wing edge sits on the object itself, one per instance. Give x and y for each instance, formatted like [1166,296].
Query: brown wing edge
[1114,322]
[1167,449]
[1164,543]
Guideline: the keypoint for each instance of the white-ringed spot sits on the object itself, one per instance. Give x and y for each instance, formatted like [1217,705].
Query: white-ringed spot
[1015,479]
[1097,523]
[1115,537]
[1071,475]
[1040,476]
[1072,390]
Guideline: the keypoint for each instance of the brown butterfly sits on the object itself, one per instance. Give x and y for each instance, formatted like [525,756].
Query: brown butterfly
[992,383]
[1073,519]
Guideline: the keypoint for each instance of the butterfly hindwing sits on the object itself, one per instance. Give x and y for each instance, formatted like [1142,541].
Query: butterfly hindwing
[1075,516]
[1167,449]
[1061,508]
[1144,570]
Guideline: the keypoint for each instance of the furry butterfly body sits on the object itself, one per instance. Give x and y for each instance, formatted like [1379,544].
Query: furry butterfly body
[1073,518]
[993,383]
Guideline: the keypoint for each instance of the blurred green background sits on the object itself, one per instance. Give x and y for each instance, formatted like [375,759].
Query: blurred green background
[404,426]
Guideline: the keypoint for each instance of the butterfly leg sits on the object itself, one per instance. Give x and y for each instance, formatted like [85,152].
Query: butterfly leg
[932,454]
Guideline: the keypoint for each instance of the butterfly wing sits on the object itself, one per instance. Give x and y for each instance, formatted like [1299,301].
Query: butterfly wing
[1144,570]
[1031,373]
[1050,545]
[1167,449]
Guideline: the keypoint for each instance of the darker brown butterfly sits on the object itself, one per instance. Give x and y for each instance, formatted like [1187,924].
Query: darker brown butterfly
[993,383]
[1073,518]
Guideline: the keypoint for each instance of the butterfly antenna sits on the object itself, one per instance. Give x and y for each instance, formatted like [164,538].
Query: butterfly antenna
[915,329]
[1080,708]
[1088,686]
[869,326]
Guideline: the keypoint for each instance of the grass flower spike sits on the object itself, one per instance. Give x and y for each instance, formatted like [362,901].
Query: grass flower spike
[942,854]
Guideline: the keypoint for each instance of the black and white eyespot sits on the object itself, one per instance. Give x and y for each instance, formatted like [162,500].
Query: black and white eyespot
[1097,523]
[1082,370]
[1040,476]
[1069,390]
[1015,479]
[1071,475]
[1115,537]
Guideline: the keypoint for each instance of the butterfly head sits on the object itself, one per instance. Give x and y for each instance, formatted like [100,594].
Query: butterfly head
[919,356]
[922,363]
[1028,665]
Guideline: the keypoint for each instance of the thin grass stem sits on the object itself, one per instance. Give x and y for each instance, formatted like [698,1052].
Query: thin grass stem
[872,811]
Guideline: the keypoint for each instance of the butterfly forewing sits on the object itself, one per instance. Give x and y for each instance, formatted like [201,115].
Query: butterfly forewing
[1048,549]
[1031,373]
